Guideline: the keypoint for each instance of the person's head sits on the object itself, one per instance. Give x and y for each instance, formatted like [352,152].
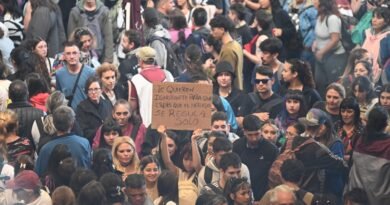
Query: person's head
[71,54]
[108,74]
[150,168]
[362,89]
[110,130]
[380,19]
[252,129]
[186,158]
[264,20]
[102,162]
[63,118]
[384,97]
[363,68]
[122,112]
[8,124]
[238,191]
[264,79]
[237,13]
[270,4]
[92,193]
[219,122]
[135,189]
[211,199]
[59,153]
[36,84]
[295,103]
[356,196]
[93,89]
[81,177]
[172,143]
[18,56]
[193,58]
[39,46]
[63,195]
[230,166]
[295,129]
[23,162]
[113,184]
[354,56]
[292,171]
[165,6]
[224,74]
[282,195]
[211,138]
[18,91]
[295,69]
[377,121]
[221,25]
[326,7]
[334,94]
[84,39]
[124,153]
[199,16]
[55,100]
[146,56]
[269,131]
[26,186]
[181,4]
[221,146]
[212,45]
[167,186]
[270,50]
[177,20]
[350,111]
[131,40]
[314,122]
[150,17]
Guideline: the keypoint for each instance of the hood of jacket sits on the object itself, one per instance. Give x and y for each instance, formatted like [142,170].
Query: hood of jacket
[154,74]
[212,165]
[159,31]
[203,31]
[80,4]
[39,100]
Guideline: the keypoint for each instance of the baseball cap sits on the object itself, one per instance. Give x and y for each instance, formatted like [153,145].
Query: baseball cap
[146,53]
[314,117]
[26,179]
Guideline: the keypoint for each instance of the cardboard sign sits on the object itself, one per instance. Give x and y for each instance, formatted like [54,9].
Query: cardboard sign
[181,106]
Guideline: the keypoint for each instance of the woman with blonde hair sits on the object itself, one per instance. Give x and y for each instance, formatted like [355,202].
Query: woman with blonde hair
[124,156]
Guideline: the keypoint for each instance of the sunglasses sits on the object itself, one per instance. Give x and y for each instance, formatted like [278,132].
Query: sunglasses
[263,81]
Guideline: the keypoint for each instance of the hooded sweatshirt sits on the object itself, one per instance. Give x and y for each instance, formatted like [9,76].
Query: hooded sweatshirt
[39,101]
[162,54]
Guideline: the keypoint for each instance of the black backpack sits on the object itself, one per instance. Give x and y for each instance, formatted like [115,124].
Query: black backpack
[175,57]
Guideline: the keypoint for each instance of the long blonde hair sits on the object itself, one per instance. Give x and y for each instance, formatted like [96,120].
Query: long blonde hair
[8,125]
[134,162]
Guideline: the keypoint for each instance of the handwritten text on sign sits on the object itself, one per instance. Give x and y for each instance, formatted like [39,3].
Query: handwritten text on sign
[181,106]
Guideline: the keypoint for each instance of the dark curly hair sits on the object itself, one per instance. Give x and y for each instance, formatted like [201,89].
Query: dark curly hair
[303,70]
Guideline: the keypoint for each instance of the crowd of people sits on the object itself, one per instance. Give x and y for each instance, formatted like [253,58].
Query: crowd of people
[299,113]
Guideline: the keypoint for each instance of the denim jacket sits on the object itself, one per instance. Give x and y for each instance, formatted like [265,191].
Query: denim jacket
[307,24]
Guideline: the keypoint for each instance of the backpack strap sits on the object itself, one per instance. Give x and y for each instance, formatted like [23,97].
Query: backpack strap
[308,141]
[254,98]
[215,189]
[208,174]
[134,131]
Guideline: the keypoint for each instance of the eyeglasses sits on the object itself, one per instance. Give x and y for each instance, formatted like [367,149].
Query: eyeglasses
[263,81]
[93,90]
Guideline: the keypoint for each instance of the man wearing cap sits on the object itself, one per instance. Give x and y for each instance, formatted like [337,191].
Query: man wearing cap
[25,188]
[143,82]
[225,77]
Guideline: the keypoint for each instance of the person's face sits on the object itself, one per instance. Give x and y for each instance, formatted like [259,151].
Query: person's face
[187,163]
[285,198]
[136,196]
[333,99]
[269,133]
[171,146]
[125,153]
[210,142]
[218,156]
[287,74]
[224,79]
[348,116]
[378,22]
[360,95]
[169,6]
[360,70]
[109,137]
[267,58]
[41,49]
[94,92]
[242,196]
[316,4]
[108,79]
[293,106]
[72,55]
[253,137]
[217,33]
[232,16]
[263,83]
[221,126]
[291,132]
[151,172]
[121,114]
[86,42]
[231,172]
[127,46]
[385,100]
[265,4]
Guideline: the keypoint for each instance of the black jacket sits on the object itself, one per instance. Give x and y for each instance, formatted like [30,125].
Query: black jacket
[90,116]
[27,114]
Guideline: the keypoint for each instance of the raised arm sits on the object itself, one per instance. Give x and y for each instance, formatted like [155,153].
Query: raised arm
[164,151]
[196,158]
